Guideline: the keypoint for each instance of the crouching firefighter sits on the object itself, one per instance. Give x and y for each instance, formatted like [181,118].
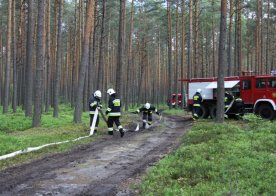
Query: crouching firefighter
[95,103]
[147,110]
[197,99]
[114,112]
[228,99]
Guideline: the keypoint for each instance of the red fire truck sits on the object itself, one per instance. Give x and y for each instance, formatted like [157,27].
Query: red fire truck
[172,100]
[258,94]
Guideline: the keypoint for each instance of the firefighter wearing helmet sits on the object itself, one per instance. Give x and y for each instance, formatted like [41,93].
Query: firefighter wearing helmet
[228,99]
[95,103]
[114,112]
[197,99]
[147,110]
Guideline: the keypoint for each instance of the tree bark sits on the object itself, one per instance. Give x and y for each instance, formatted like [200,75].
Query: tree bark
[1,65]
[190,41]
[169,42]
[221,63]
[229,56]
[196,49]
[182,51]
[48,57]
[102,43]
[267,39]
[8,63]
[213,40]
[58,60]
[121,48]
[14,98]
[129,60]
[239,39]
[84,60]
[39,65]
[176,71]
[257,54]
[29,62]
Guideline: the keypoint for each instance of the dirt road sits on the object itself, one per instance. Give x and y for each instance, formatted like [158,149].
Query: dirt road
[101,168]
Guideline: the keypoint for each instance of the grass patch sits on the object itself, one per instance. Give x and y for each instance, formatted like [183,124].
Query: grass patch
[219,159]
[16,133]
[178,112]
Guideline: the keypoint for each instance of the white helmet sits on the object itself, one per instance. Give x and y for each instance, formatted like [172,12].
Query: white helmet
[199,90]
[147,106]
[111,91]
[98,94]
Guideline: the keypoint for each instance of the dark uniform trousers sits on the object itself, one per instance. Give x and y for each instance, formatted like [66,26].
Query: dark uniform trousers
[147,117]
[197,99]
[113,119]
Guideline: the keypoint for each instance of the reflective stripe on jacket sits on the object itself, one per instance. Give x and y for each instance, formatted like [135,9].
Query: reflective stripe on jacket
[197,99]
[93,104]
[114,106]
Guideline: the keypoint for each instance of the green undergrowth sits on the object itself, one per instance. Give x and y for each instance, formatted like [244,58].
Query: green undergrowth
[16,133]
[178,112]
[233,158]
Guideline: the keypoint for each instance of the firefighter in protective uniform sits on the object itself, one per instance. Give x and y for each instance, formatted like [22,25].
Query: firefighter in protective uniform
[147,110]
[228,98]
[197,99]
[95,102]
[114,112]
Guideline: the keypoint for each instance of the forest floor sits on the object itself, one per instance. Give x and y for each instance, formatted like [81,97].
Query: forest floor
[109,166]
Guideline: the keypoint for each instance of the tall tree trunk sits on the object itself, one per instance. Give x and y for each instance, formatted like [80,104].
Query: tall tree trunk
[84,60]
[102,44]
[8,63]
[267,39]
[176,71]
[14,98]
[196,49]
[121,47]
[239,38]
[74,68]
[190,41]
[213,40]
[261,39]
[48,57]
[182,51]
[29,62]
[129,60]
[1,64]
[169,42]
[21,52]
[221,63]
[257,54]
[39,65]
[58,60]
[53,52]
[229,55]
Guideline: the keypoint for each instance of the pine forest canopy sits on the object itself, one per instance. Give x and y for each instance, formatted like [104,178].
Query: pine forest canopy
[152,43]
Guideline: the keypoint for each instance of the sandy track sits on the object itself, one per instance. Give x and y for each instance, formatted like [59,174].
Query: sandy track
[99,168]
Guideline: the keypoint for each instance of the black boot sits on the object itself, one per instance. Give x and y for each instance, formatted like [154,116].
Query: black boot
[122,132]
[144,125]
[110,132]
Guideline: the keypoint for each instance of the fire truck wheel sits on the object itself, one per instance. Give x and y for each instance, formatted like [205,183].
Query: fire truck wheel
[213,111]
[204,112]
[266,111]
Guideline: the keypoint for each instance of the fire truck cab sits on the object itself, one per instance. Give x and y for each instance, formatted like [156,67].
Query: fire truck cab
[258,94]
